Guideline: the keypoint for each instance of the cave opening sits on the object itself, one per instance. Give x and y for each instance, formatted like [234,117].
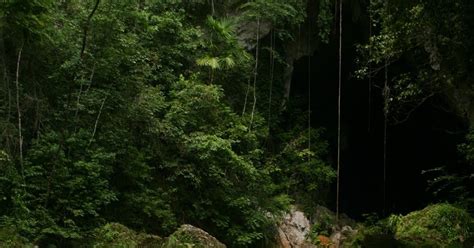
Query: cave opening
[428,139]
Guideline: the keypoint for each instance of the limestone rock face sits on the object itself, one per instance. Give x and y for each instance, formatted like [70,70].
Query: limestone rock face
[293,230]
[247,33]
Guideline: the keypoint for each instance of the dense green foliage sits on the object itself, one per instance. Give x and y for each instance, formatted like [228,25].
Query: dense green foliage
[187,236]
[126,111]
[116,235]
[9,237]
[440,224]
[155,113]
[427,46]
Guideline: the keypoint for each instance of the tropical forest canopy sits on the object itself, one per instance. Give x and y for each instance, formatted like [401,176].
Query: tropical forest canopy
[223,114]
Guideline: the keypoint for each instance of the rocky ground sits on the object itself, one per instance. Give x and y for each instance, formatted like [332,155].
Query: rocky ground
[439,225]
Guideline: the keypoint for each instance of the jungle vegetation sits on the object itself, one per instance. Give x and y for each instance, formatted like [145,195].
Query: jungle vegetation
[156,113]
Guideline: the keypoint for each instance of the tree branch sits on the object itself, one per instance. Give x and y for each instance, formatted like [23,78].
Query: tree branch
[397,122]
[86,28]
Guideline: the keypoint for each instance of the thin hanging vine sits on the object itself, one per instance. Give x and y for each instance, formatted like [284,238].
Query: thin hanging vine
[386,95]
[309,92]
[339,114]
[369,110]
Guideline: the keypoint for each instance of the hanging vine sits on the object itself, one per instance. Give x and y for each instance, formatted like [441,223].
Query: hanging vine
[309,92]
[339,114]
[386,95]
[369,110]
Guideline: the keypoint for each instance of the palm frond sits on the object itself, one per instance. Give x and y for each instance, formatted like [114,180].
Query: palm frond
[211,62]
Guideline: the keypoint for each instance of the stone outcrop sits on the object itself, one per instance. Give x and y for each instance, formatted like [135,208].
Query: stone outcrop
[117,235]
[293,230]
[247,33]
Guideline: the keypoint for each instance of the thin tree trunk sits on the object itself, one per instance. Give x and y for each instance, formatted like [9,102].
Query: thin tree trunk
[255,74]
[86,28]
[246,97]
[90,80]
[20,135]
[287,77]
[97,120]
[77,103]
[288,73]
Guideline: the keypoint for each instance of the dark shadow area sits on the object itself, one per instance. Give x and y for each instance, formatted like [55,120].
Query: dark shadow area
[427,140]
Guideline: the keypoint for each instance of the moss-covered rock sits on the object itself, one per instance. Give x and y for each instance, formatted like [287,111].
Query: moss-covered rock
[189,236]
[119,236]
[440,225]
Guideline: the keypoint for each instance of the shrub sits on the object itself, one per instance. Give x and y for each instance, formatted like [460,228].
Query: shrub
[9,237]
[441,225]
[119,236]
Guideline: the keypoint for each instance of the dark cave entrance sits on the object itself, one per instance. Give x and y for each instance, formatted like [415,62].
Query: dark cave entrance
[427,140]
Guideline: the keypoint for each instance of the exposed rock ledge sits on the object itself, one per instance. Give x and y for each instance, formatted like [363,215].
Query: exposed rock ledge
[294,230]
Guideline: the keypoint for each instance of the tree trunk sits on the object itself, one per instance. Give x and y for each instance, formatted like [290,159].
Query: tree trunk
[86,28]
[255,74]
[17,85]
